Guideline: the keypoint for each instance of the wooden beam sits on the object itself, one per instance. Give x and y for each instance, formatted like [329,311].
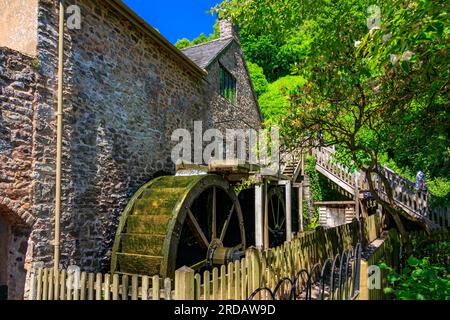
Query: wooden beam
[259,216]
[300,207]
[357,195]
[266,216]
[326,203]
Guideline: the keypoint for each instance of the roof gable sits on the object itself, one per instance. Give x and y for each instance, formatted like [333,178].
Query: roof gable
[204,54]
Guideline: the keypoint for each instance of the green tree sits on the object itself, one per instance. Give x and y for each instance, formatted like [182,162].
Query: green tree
[202,38]
[372,74]
[258,78]
[275,101]
[183,43]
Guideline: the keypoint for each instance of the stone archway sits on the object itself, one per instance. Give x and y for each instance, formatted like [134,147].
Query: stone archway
[14,235]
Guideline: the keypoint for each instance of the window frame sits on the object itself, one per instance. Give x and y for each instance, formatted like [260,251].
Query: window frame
[228,85]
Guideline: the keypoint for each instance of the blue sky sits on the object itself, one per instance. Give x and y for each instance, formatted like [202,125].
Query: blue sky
[176,19]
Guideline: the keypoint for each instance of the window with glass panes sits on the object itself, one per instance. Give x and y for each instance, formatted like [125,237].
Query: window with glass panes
[227,85]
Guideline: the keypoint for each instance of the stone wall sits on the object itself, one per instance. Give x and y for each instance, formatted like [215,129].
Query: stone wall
[124,95]
[17,94]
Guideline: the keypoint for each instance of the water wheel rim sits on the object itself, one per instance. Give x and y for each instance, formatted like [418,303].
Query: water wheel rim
[184,207]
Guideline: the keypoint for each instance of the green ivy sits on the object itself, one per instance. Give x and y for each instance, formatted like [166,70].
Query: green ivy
[316,191]
[243,185]
[424,278]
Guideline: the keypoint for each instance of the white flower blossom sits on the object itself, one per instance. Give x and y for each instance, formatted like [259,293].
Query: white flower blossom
[357,43]
[394,59]
[407,55]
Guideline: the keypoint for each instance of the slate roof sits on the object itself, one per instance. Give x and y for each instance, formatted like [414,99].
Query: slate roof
[204,54]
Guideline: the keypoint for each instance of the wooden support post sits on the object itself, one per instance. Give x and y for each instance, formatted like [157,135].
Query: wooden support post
[266,217]
[357,195]
[184,284]
[288,211]
[300,208]
[259,189]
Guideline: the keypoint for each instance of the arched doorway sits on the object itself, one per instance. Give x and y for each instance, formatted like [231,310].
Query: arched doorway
[14,236]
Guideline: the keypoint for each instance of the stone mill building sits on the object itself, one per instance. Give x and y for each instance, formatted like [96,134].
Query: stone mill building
[126,89]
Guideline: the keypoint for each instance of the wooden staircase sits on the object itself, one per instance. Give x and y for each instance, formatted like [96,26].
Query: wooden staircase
[412,202]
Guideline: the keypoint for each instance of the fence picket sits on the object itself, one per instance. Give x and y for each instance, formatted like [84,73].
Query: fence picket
[76,284]
[62,285]
[32,294]
[243,283]
[237,280]
[69,284]
[115,287]
[144,288]
[230,282]
[124,287]
[83,286]
[223,285]
[198,286]
[206,286]
[90,286]
[45,284]
[106,287]
[50,285]
[98,287]
[134,287]
[56,284]
[215,284]
[167,289]
[39,285]
[155,288]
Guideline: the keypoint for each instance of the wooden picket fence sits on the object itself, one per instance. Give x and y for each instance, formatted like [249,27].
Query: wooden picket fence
[238,280]
[235,281]
[72,284]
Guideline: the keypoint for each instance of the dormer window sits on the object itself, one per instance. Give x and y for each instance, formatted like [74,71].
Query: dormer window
[227,85]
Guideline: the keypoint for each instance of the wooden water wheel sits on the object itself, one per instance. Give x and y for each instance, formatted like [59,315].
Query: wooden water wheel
[177,221]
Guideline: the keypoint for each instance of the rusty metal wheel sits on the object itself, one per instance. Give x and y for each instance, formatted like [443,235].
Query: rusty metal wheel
[177,221]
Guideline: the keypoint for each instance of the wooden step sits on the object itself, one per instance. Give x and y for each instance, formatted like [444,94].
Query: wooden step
[145,244]
[139,264]
[148,224]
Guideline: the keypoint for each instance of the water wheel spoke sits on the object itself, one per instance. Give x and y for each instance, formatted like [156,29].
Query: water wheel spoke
[273,211]
[197,230]
[226,224]
[199,264]
[282,222]
[278,208]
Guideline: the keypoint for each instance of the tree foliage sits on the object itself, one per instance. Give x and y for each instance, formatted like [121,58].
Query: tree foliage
[259,80]
[274,103]
[202,38]
[376,77]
